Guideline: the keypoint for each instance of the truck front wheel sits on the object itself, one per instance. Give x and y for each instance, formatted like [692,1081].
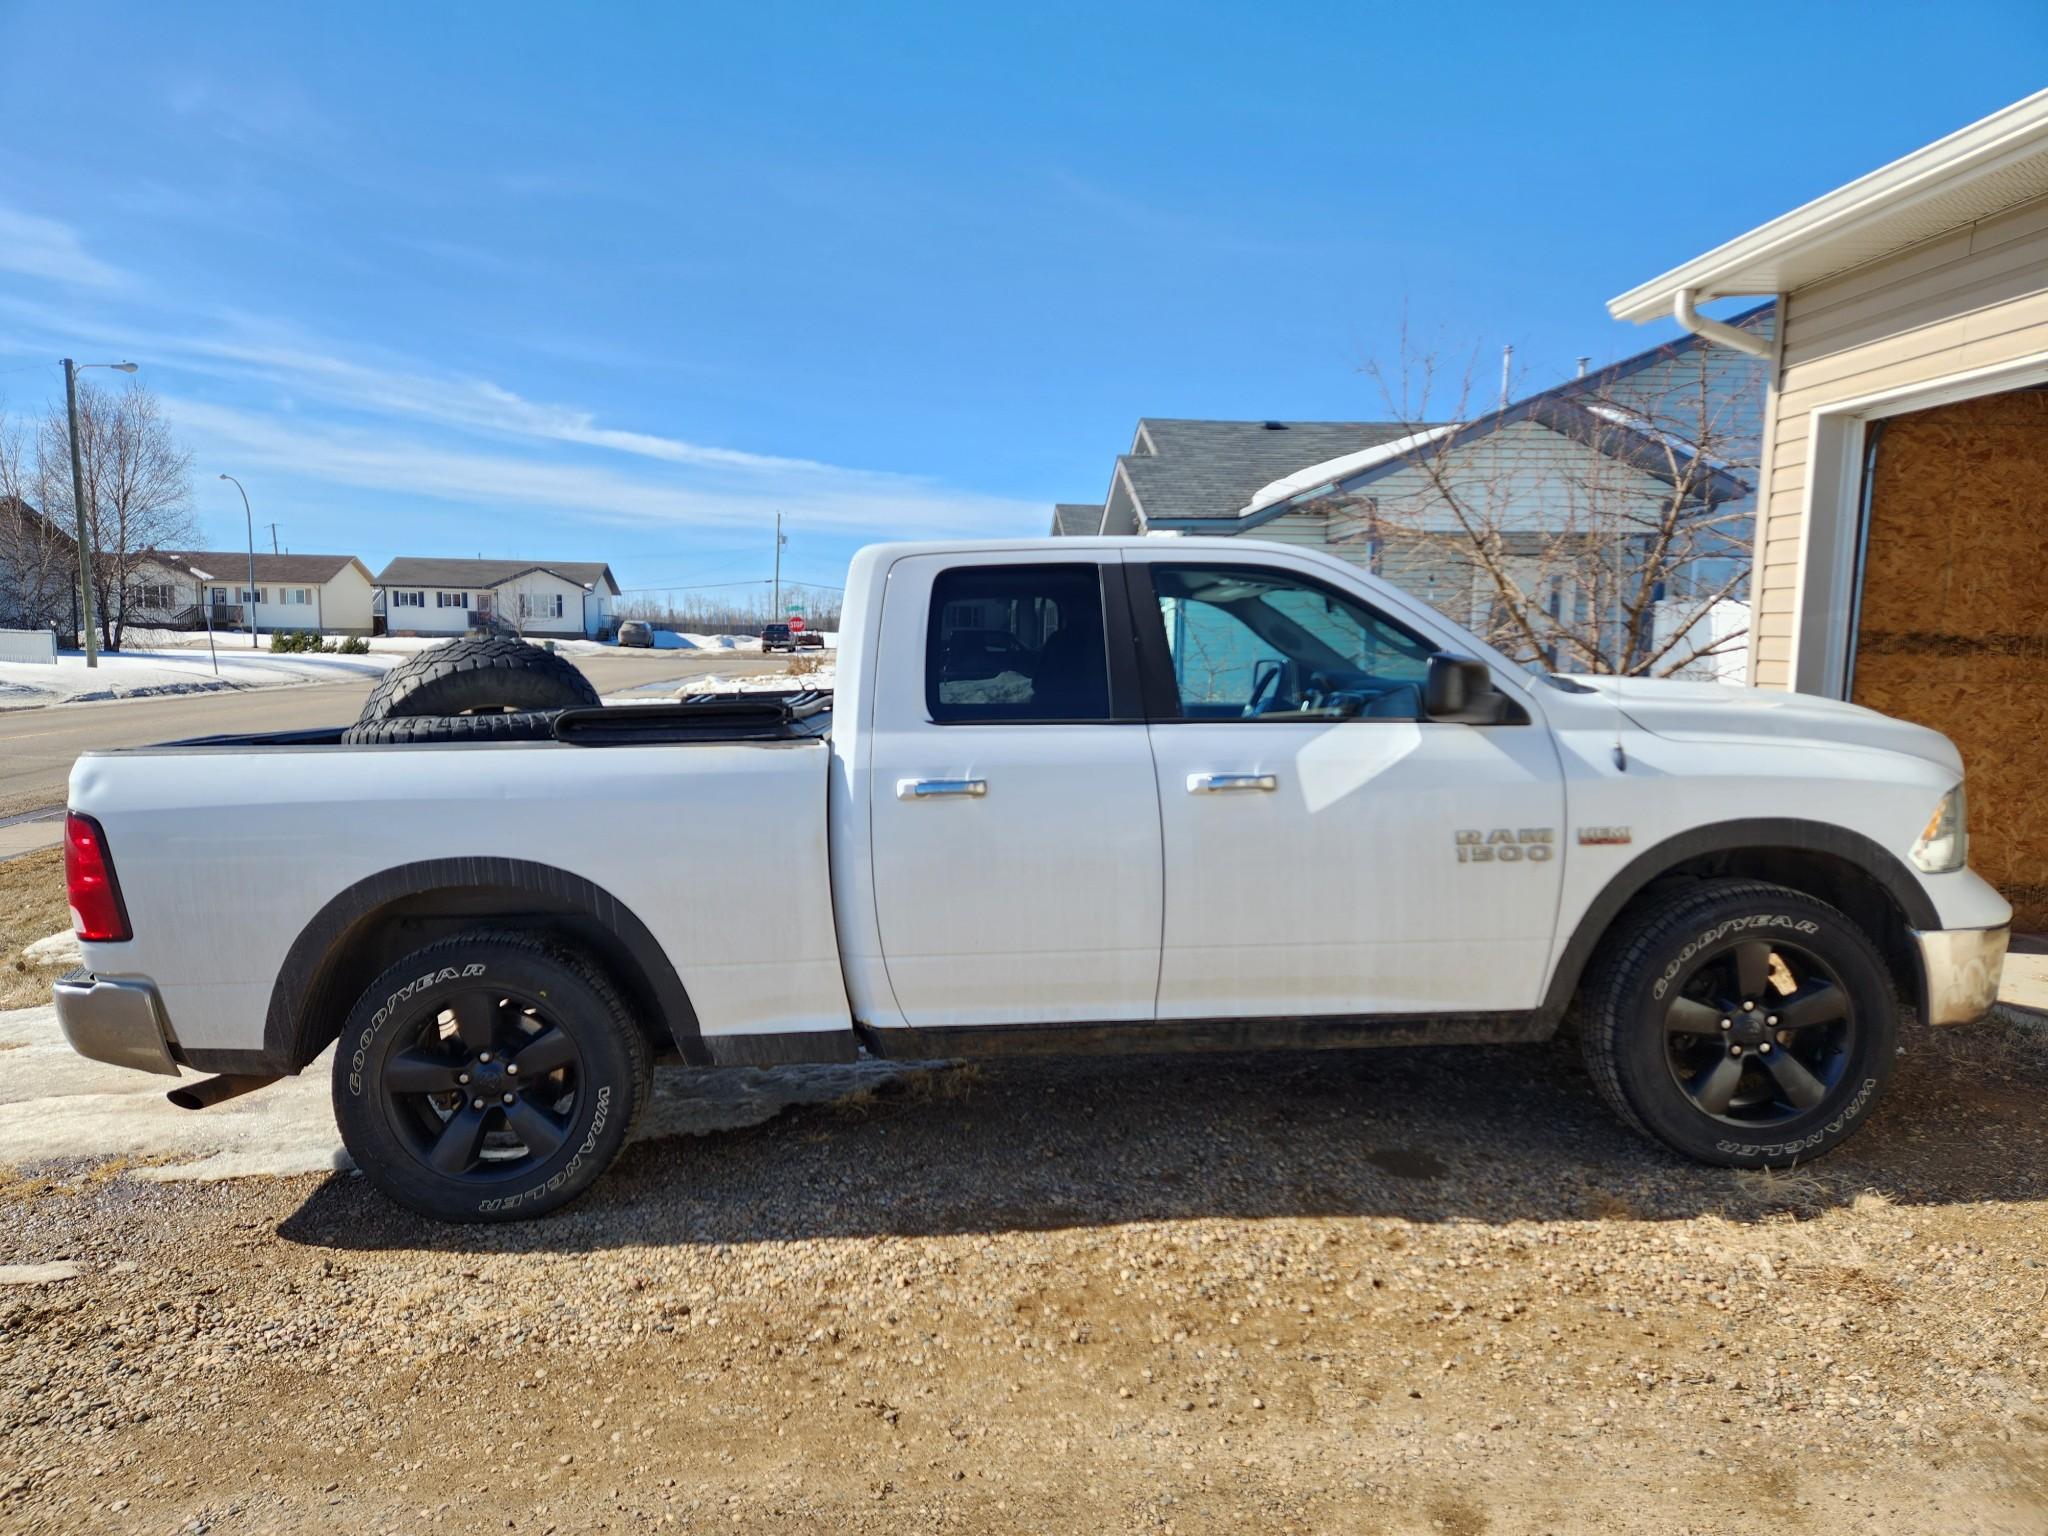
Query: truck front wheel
[1740,1023]
[488,1077]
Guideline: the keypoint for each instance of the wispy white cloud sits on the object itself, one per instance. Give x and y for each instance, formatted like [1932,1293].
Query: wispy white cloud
[250,349]
[854,502]
[33,246]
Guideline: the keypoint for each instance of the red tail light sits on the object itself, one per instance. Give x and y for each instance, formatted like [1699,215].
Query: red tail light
[97,911]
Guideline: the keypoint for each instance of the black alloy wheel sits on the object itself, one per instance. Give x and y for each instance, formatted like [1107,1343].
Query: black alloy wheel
[486,1087]
[1759,1033]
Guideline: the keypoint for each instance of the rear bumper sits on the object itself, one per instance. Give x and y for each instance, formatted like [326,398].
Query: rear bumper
[1960,970]
[115,1019]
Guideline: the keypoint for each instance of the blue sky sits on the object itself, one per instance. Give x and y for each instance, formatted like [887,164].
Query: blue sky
[618,282]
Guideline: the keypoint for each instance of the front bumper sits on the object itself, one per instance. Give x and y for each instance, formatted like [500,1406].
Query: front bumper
[115,1019]
[1960,970]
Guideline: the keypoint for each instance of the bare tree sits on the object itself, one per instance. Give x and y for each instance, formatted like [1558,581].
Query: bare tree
[138,490]
[38,561]
[1600,527]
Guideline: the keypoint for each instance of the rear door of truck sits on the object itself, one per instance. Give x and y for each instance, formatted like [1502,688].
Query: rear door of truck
[1014,811]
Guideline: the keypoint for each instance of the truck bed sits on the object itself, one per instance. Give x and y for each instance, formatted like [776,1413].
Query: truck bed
[796,715]
[701,825]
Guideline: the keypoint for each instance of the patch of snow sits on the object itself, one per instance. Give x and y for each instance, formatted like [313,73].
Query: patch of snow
[773,682]
[56,1105]
[1343,467]
[39,1274]
[131,674]
[59,949]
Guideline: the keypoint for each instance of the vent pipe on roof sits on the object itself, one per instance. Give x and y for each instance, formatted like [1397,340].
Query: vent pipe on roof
[1507,367]
[1582,365]
[1714,330]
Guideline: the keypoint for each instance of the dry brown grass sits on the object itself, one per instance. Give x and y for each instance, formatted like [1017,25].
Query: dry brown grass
[32,907]
[804,666]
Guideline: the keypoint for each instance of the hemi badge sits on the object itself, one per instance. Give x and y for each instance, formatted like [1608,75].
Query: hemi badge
[1604,835]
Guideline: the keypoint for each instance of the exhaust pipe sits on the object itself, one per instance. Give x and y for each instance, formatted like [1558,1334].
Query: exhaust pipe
[213,1090]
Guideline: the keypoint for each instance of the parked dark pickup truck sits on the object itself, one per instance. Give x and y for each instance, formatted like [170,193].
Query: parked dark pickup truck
[779,637]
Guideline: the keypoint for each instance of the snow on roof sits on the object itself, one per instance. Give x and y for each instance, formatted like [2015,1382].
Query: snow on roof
[1343,467]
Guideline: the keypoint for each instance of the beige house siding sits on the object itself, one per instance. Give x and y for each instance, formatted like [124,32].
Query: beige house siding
[1971,299]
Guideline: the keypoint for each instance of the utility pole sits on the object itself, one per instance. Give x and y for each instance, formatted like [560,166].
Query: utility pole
[92,644]
[273,537]
[775,612]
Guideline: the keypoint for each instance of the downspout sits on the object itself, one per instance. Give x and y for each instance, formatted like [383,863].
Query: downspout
[1714,330]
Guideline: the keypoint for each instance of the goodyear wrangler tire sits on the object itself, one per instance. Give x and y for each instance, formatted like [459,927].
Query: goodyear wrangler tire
[1740,1023]
[496,672]
[488,1077]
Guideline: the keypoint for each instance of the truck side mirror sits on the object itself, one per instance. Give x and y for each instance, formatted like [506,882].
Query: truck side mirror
[1460,690]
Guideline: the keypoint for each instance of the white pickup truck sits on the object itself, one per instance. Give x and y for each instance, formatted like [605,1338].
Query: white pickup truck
[1087,796]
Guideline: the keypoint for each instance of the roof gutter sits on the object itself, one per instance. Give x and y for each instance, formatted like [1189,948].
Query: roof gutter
[1714,330]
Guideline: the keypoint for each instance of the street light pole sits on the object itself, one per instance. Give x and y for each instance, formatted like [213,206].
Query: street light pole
[249,521]
[79,520]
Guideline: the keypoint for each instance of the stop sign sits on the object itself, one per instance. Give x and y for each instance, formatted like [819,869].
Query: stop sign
[796,623]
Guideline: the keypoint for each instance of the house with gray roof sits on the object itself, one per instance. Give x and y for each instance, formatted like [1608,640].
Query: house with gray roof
[1682,420]
[558,599]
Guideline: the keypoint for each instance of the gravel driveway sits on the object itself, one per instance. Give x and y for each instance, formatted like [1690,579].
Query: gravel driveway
[1427,1291]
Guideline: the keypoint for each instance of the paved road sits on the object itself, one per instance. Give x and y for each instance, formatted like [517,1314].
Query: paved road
[38,746]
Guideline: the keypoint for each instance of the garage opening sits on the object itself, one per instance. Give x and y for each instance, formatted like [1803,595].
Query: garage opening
[1952,618]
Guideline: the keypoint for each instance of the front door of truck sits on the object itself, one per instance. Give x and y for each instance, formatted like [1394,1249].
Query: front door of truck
[1014,820]
[1327,851]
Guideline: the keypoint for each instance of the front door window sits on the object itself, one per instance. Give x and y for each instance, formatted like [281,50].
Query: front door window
[1255,644]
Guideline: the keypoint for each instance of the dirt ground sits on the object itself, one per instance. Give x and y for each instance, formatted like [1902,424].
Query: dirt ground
[31,907]
[1426,1291]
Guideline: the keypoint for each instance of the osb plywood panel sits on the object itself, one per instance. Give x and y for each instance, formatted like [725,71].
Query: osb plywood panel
[1954,630]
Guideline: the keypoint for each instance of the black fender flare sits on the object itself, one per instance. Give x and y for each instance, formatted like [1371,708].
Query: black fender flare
[1762,834]
[299,997]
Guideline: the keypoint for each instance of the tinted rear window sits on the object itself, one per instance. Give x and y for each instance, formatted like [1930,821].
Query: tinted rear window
[1017,642]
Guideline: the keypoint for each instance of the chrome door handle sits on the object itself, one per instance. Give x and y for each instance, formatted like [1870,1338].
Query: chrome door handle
[940,789]
[1225,783]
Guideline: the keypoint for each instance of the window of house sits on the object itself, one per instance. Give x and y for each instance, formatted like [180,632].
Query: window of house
[540,605]
[451,599]
[258,596]
[155,596]
[1017,642]
[408,599]
[296,596]
[1253,643]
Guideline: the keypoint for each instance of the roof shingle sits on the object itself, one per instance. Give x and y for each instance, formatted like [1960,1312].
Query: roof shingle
[232,564]
[427,571]
[1210,469]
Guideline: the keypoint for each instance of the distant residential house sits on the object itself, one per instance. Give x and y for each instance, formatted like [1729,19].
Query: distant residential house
[187,588]
[38,570]
[1346,487]
[546,598]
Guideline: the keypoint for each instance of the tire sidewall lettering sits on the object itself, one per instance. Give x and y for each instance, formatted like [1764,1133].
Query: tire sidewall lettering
[359,1057]
[1714,935]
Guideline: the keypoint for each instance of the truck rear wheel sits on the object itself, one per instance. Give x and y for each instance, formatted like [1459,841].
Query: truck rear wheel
[488,1077]
[1740,1023]
[496,672]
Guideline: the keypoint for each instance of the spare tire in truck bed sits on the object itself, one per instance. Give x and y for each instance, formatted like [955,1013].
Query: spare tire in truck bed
[479,676]
[400,730]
